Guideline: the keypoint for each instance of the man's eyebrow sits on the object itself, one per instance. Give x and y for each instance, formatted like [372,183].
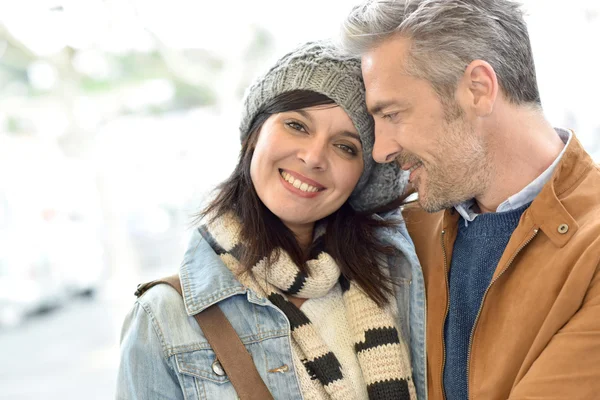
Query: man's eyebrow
[376,109]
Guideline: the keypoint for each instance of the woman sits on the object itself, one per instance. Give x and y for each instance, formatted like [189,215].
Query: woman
[290,255]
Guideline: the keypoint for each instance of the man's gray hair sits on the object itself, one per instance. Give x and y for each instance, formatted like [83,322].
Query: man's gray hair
[446,36]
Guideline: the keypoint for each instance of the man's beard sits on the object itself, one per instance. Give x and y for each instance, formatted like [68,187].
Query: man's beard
[454,176]
[406,158]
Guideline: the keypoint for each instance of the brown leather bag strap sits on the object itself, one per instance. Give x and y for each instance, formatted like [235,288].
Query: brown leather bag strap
[225,342]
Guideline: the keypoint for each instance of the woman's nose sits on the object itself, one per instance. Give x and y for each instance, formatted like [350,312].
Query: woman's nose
[314,154]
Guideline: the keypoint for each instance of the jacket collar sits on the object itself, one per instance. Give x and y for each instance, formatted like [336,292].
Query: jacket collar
[205,280]
[547,210]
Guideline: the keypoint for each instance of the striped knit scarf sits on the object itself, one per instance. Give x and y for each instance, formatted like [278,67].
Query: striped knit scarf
[381,354]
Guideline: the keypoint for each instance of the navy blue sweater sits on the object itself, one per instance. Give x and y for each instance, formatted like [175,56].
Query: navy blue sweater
[477,250]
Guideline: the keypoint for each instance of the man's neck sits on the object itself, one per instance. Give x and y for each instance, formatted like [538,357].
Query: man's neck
[522,145]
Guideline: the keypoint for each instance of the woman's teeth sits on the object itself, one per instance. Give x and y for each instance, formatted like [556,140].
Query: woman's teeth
[297,183]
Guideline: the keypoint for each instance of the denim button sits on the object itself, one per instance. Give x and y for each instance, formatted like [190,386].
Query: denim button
[217,368]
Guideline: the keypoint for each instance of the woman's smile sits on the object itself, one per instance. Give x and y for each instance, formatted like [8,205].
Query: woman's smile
[300,185]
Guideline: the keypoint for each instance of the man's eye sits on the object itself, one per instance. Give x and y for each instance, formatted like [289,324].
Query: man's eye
[389,117]
[296,126]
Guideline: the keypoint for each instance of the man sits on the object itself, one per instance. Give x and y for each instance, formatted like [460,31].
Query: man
[508,224]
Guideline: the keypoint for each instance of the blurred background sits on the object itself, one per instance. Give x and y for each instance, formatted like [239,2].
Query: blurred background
[116,119]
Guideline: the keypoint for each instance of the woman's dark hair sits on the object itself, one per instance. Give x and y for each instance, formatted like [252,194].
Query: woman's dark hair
[349,238]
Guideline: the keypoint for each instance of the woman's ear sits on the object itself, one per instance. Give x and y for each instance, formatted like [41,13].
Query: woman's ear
[249,144]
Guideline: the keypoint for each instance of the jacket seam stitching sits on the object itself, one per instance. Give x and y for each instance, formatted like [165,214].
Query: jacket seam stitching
[214,298]
[156,328]
[201,389]
[185,396]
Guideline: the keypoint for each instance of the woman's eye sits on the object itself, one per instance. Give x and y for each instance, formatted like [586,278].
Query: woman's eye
[348,149]
[296,126]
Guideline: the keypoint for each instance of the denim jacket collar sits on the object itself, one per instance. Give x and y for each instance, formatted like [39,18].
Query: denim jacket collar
[205,280]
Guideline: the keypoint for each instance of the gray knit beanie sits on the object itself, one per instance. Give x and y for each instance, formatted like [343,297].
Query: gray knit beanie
[322,68]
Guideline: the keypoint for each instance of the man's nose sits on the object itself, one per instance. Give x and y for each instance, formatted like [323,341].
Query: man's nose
[385,149]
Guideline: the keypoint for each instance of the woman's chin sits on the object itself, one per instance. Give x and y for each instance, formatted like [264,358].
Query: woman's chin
[295,220]
[296,217]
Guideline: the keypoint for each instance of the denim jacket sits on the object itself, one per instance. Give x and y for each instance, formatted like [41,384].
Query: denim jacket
[164,354]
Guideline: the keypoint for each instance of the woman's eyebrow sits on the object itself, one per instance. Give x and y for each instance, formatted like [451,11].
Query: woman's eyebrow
[352,135]
[304,113]
[349,134]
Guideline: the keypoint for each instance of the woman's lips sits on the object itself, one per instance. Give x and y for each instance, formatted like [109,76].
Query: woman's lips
[300,187]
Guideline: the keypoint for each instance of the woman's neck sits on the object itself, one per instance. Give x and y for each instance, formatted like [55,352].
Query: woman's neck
[304,236]
[303,233]
[304,240]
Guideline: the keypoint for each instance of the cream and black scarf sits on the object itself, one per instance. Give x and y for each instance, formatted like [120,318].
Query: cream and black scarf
[381,354]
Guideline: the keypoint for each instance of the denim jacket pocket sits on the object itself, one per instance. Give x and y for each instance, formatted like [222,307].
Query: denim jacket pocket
[201,378]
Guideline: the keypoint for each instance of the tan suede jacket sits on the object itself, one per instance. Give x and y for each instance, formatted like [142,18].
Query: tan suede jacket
[537,335]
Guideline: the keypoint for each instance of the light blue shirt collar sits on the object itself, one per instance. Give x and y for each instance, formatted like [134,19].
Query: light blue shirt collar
[528,193]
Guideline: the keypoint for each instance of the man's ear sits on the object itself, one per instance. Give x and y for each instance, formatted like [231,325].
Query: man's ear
[478,88]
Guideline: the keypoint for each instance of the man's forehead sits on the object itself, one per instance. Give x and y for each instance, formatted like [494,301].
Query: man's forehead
[367,62]
[395,45]
[385,60]
[377,72]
